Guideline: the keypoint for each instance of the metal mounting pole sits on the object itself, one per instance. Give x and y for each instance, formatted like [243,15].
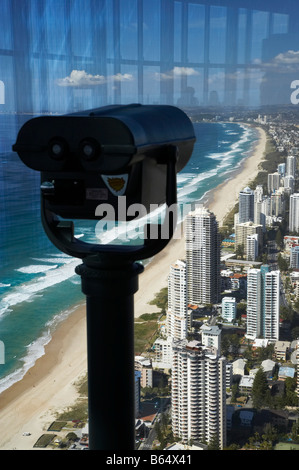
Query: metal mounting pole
[109,294]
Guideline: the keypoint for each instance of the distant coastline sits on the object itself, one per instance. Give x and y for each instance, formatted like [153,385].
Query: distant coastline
[247,170]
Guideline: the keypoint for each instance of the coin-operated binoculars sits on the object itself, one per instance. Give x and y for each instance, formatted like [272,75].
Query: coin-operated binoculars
[119,158]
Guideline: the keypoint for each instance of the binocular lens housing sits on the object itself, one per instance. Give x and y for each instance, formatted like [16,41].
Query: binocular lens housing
[58,149]
[93,157]
[89,149]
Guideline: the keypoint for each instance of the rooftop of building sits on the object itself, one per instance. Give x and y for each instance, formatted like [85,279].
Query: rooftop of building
[246,190]
[201,210]
[246,381]
[180,263]
[213,330]
[248,224]
[194,345]
[286,372]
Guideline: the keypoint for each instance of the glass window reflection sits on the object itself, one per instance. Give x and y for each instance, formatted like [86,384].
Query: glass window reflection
[5,26]
[217,36]
[151,30]
[59,50]
[196,33]
[128,30]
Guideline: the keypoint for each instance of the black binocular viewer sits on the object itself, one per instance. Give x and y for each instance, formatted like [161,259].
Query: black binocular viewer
[92,160]
[95,156]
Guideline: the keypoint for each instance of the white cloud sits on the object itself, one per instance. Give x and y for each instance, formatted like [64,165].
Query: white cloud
[287,58]
[126,77]
[285,62]
[79,78]
[176,72]
[82,79]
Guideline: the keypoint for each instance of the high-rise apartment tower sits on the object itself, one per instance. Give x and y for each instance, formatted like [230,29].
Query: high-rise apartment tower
[263,302]
[198,393]
[291,166]
[294,213]
[246,205]
[177,301]
[202,257]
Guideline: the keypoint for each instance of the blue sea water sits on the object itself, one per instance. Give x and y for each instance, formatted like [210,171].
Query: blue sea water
[38,284]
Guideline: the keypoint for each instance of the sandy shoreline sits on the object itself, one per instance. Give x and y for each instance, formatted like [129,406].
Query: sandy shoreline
[29,405]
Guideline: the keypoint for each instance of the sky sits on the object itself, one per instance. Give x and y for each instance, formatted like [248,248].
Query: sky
[59,55]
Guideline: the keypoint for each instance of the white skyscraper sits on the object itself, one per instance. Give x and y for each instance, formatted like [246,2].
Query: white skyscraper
[274,182]
[177,301]
[266,206]
[252,247]
[198,393]
[229,308]
[271,305]
[291,166]
[294,213]
[253,304]
[258,198]
[277,203]
[263,302]
[262,208]
[176,318]
[289,183]
[202,257]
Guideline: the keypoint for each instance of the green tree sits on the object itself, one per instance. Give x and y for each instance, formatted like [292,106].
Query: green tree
[265,352]
[286,313]
[282,263]
[240,251]
[264,258]
[295,332]
[259,389]
[270,433]
[235,393]
[290,392]
[235,344]
[279,238]
[248,355]
[253,441]
[225,345]
[232,447]
[241,309]
[159,432]
[214,443]
[161,300]
[266,445]
[295,432]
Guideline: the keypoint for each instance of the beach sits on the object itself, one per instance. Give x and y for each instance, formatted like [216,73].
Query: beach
[29,405]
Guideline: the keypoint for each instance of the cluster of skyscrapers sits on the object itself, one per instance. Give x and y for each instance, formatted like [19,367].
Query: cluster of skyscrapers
[257,211]
[199,374]
[198,370]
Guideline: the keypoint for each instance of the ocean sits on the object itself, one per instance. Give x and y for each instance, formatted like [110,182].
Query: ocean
[38,284]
